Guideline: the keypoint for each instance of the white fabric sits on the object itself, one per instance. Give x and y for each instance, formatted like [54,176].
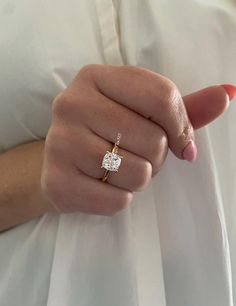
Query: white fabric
[176,244]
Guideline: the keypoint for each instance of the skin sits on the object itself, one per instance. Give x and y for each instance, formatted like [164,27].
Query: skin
[145,107]
[63,173]
[21,199]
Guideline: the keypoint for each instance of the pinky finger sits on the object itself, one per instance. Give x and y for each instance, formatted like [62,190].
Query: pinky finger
[88,195]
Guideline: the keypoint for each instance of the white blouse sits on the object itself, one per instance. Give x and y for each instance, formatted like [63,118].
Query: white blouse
[176,243]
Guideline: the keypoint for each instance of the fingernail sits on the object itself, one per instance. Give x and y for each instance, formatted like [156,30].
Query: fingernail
[190,151]
[230,89]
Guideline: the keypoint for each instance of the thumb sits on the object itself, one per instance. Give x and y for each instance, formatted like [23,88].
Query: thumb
[207,104]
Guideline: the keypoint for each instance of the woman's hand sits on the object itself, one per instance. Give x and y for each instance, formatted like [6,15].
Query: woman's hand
[102,100]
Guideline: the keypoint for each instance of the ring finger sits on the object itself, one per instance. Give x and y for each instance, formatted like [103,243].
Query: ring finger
[87,154]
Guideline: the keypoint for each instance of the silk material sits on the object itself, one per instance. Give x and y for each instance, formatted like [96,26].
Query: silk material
[175,245]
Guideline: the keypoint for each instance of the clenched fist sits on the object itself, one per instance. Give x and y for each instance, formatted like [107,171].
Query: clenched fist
[102,101]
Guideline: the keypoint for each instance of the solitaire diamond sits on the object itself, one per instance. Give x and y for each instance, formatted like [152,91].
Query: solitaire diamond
[111,161]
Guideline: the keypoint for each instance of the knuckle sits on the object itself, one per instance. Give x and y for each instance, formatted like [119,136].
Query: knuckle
[110,206]
[143,176]
[55,143]
[122,201]
[61,104]
[158,144]
[158,149]
[159,159]
[169,94]
[166,96]
[86,71]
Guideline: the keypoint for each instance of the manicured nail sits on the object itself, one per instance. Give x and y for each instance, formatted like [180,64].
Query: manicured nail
[230,89]
[190,151]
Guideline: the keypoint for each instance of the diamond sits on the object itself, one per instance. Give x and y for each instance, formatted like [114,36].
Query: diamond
[111,161]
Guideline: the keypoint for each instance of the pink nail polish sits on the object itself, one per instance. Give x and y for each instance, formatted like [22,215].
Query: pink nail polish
[190,151]
[230,89]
